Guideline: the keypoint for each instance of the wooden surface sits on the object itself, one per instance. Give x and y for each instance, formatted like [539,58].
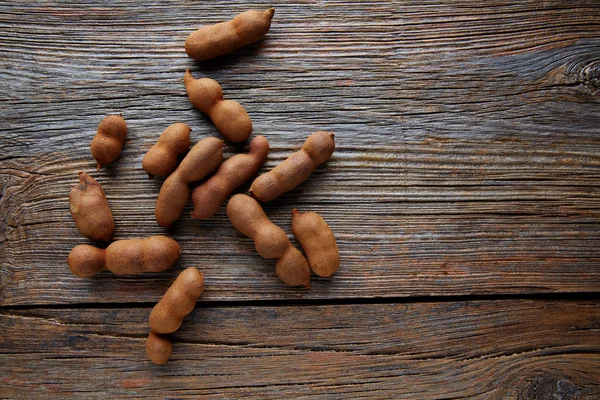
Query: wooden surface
[467,168]
[417,350]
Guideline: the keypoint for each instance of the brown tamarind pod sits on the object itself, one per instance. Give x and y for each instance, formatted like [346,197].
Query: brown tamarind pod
[215,40]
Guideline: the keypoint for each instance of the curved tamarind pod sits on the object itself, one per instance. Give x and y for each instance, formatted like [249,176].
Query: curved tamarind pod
[318,242]
[210,196]
[179,300]
[161,159]
[317,149]
[228,116]
[175,192]
[215,40]
[270,241]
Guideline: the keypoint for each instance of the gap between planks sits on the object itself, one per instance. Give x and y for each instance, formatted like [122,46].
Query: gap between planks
[555,296]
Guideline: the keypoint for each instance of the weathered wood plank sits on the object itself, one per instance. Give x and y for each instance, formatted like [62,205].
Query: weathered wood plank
[468,156]
[483,349]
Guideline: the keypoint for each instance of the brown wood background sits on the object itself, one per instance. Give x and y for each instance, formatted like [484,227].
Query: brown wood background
[464,193]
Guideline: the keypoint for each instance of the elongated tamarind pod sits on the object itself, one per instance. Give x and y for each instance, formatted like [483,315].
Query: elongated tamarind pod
[179,300]
[228,116]
[123,257]
[175,192]
[317,149]
[161,159]
[210,196]
[270,241]
[215,40]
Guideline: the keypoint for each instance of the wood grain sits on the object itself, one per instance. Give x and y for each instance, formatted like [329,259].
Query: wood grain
[476,350]
[468,142]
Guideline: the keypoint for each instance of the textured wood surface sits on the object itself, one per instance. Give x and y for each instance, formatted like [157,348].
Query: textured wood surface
[422,350]
[468,142]
[467,164]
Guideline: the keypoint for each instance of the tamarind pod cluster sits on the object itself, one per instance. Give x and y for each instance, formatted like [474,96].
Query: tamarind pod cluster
[175,192]
[215,40]
[317,149]
[123,257]
[210,196]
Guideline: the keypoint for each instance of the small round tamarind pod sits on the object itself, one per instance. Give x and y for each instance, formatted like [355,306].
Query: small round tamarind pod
[90,209]
[210,196]
[86,260]
[175,192]
[161,159]
[317,149]
[318,242]
[108,142]
[218,39]
[270,241]
[179,300]
[158,348]
[228,116]
[123,257]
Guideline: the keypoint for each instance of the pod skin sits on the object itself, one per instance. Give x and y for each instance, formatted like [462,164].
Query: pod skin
[179,300]
[161,159]
[210,196]
[218,39]
[318,242]
[228,116]
[270,241]
[158,348]
[124,257]
[108,142]
[175,192]
[317,149]
[90,210]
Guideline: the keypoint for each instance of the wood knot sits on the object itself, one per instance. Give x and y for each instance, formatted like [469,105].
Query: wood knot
[547,386]
[589,76]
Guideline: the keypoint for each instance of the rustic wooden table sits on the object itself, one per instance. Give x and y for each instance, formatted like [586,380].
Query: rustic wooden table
[464,193]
